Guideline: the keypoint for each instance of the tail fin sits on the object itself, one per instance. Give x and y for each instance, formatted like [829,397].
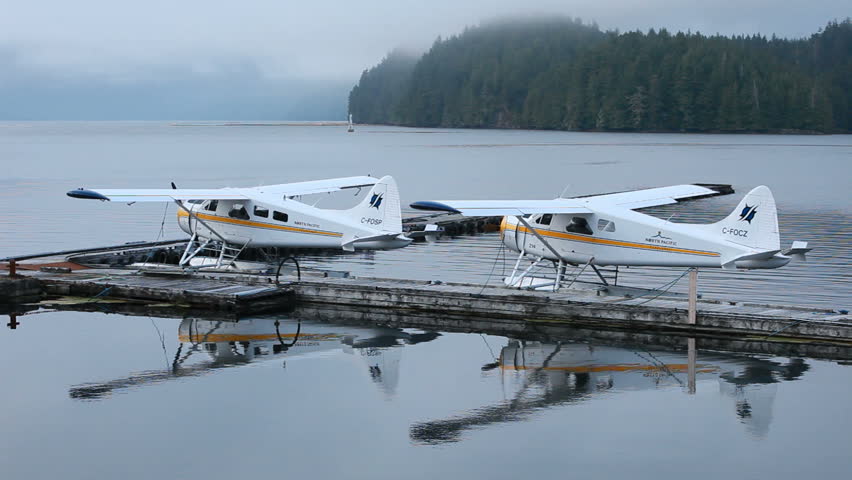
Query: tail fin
[754,223]
[380,209]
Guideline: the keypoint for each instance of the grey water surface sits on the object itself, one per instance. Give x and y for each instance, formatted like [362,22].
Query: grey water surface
[102,395]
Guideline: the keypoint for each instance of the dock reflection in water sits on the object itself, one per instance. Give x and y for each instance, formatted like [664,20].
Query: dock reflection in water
[208,345]
[533,375]
[547,375]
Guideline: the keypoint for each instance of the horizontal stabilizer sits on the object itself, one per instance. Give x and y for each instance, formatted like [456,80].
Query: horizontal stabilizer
[797,250]
[349,242]
[730,262]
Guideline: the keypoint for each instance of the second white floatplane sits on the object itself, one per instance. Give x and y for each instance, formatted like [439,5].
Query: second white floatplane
[606,230]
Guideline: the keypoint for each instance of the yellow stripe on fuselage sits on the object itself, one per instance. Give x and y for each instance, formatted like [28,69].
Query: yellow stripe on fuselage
[605,241]
[249,223]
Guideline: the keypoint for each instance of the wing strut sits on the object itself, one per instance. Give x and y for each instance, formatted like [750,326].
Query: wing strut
[538,235]
[198,219]
[544,242]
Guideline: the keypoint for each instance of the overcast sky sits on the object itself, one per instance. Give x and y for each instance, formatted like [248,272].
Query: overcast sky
[330,40]
[324,38]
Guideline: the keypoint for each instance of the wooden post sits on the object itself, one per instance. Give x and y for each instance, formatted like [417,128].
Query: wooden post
[12,268]
[690,365]
[693,296]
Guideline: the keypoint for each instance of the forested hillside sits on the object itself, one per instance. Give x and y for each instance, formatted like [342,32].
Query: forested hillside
[565,75]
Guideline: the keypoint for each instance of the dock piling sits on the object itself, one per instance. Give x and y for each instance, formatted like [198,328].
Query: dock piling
[693,296]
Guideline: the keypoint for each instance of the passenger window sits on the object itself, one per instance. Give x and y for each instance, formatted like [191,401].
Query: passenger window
[261,212]
[606,225]
[211,207]
[545,219]
[579,225]
[238,211]
[281,217]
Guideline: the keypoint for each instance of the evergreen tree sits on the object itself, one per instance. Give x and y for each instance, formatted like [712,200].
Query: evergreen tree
[559,73]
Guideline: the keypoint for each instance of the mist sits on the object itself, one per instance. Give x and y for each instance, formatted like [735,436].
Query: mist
[95,59]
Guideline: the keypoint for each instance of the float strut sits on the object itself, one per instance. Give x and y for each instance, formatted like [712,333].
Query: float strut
[599,274]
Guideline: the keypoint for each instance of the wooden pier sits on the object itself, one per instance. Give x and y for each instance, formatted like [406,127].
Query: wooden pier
[581,309]
[460,305]
[237,295]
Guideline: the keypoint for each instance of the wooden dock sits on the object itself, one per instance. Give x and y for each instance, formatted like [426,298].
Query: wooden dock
[460,305]
[581,309]
[236,295]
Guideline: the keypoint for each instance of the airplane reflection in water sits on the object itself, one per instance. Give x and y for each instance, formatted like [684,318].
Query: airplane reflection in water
[546,375]
[207,345]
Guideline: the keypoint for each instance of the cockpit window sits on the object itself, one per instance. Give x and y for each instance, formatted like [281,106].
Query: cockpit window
[211,206]
[544,219]
[579,225]
[238,211]
[261,212]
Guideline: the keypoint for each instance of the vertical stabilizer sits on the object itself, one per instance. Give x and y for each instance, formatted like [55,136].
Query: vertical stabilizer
[380,209]
[754,223]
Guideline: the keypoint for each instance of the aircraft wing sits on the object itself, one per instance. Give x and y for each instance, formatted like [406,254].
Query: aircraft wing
[579,205]
[317,186]
[130,195]
[492,208]
[169,195]
[651,197]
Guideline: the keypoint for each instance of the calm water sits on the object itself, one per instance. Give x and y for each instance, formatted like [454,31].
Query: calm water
[809,176]
[96,395]
[91,395]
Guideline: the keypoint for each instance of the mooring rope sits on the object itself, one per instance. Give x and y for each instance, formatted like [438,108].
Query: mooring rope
[103,292]
[785,328]
[493,266]
[662,289]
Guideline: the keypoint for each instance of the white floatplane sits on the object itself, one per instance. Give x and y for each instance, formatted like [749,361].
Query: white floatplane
[606,230]
[227,220]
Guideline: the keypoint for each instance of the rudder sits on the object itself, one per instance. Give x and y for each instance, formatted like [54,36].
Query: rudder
[381,209]
[754,223]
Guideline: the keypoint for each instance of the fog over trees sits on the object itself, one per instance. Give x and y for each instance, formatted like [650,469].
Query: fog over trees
[563,74]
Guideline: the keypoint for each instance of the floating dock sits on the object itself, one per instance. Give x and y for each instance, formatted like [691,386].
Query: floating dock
[240,295]
[464,305]
[580,309]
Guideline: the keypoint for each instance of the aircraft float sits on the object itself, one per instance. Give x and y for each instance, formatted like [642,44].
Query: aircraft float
[606,230]
[227,220]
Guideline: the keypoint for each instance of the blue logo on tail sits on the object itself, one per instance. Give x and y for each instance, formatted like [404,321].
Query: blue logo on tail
[748,213]
[376,200]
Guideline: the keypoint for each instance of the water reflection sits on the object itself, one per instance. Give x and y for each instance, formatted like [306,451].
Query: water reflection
[208,345]
[533,375]
[547,375]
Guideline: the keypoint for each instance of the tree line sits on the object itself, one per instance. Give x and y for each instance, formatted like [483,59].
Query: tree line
[562,74]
